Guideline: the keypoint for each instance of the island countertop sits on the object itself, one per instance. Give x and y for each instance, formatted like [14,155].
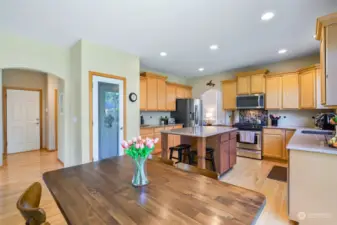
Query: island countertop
[203,131]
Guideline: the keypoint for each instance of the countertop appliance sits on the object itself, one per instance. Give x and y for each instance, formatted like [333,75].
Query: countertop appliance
[188,112]
[322,121]
[245,149]
[250,101]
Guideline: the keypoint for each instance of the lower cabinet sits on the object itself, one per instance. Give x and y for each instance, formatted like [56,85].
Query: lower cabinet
[173,140]
[275,143]
[227,156]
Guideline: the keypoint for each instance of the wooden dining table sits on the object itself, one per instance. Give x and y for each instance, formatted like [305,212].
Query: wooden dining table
[101,193]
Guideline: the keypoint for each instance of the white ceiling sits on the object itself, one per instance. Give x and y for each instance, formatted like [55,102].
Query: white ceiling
[183,28]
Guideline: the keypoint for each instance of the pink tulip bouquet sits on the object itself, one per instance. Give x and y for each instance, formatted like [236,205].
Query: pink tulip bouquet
[139,149]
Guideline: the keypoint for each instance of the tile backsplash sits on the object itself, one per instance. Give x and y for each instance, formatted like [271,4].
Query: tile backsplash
[253,116]
[153,118]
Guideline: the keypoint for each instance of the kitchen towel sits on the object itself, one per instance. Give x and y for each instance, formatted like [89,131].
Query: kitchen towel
[247,137]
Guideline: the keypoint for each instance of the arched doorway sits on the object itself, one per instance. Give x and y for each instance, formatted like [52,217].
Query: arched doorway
[32,102]
[212,108]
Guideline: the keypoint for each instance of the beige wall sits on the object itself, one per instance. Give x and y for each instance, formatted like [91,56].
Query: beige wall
[111,61]
[29,79]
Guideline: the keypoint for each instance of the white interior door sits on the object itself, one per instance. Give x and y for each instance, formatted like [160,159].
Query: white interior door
[108,113]
[23,120]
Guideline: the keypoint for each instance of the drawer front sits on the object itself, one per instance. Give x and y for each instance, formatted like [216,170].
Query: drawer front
[224,137]
[273,131]
[146,131]
[158,129]
[233,135]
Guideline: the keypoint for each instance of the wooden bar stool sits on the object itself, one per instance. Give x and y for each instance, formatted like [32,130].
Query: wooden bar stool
[183,150]
[209,157]
[28,205]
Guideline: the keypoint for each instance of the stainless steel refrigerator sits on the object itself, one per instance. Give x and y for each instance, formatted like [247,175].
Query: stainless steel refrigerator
[188,112]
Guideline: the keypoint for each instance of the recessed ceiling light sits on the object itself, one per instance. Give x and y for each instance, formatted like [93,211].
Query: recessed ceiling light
[163,54]
[214,47]
[201,69]
[267,16]
[282,51]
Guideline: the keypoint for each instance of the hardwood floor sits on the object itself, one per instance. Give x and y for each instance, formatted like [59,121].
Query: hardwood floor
[21,170]
[252,174]
[25,168]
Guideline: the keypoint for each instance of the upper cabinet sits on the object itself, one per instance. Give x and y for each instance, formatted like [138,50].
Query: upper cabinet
[307,83]
[274,92]
[143,93]
[257,84]
[170,97]
[290,91]
[161,91]
[252,82]
[326,33]
[243,85]
[229,94]
[156,94]
[180,92]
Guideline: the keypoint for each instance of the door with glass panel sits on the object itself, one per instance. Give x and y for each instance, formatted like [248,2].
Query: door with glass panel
[107,117]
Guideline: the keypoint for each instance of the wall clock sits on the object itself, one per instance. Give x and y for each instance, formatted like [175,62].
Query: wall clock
[133,97]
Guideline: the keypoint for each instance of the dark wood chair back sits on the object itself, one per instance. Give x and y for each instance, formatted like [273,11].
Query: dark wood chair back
[161,160]
[28,205]
[193,169]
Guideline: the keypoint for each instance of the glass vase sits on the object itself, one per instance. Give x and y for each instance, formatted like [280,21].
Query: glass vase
[139,176]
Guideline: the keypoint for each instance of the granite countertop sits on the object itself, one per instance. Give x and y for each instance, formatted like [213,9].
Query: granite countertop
[310,143]
[159,125]
[204,131]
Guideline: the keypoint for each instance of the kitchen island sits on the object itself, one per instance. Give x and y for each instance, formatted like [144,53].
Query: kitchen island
[221,139]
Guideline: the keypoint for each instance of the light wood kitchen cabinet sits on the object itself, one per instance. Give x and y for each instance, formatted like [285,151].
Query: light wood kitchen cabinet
[156,133]
[289,135]
[243,85]
[143,93]
[180,92]
[326,33]
[257,84]
[274,92]
[152,93]
[307,82]
[188,92]
[252,82]
[161,85]
[156,94]
[274,143]
[170,97]
[290,91]
[229,94]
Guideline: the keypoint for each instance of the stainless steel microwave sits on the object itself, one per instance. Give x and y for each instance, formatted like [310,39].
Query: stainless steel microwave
[250,101]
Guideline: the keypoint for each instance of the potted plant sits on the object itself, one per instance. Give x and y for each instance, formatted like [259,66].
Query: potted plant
[139,149]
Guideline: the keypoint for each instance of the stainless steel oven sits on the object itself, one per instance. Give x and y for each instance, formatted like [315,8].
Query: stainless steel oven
[250,150]
[250,101]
